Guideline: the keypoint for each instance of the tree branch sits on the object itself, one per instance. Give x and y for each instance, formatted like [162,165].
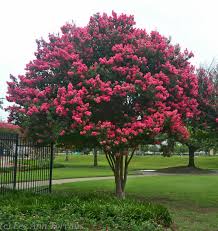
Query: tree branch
[110,161]
[125,173]
[133,151]
[121,170]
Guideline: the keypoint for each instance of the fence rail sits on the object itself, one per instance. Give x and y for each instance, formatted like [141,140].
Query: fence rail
[24,165]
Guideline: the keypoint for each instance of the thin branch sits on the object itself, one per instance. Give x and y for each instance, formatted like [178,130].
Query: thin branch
[133,151]
[125,173]
[110,162]
[110,159]
[121,170]
[113,159]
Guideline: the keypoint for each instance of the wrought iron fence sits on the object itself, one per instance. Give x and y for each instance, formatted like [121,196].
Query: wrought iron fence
[24,165]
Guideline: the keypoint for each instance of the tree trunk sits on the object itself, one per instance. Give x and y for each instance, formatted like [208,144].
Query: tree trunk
[95,157]
[120,193]
[191,162]
[119,177]
[119,164]
[211,152]
[67,156]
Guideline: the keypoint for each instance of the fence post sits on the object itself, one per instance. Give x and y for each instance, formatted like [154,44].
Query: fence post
[51,166]
[15,162]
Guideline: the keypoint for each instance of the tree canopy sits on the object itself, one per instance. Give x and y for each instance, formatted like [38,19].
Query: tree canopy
[109,80]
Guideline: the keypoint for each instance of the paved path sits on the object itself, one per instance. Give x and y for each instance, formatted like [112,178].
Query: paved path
[25,185]
[146,173]
[62,181]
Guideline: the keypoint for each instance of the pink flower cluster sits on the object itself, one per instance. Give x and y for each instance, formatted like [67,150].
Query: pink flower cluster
[4,126]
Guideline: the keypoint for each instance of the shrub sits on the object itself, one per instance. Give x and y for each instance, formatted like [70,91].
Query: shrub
[25,211]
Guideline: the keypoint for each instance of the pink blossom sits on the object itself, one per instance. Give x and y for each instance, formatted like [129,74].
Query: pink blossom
[88,113]
[62,133]
[95,133]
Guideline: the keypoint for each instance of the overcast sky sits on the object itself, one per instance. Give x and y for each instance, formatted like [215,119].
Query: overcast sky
[191,23]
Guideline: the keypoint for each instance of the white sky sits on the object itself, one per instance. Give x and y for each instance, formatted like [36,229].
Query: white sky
[191,23]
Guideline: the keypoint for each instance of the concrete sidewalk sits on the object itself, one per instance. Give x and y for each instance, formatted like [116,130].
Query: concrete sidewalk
[26,184]
[71,180]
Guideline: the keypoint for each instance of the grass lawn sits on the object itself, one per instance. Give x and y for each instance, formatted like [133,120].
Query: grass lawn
[83,171]
[82,165]
[192,200]
[140,162]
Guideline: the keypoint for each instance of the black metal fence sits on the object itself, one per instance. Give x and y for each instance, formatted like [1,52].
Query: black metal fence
[24,165]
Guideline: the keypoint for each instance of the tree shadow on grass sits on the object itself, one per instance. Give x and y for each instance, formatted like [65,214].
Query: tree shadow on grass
[187,170]
[80,166]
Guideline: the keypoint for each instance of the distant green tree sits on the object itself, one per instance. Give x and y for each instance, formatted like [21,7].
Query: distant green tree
[78,142]
[203,129]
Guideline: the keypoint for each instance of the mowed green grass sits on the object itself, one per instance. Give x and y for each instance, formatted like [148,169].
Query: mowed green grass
[192,200]
[81,171]
[82,165]
[140,162]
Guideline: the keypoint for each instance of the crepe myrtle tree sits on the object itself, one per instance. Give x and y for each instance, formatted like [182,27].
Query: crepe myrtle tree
[109,80]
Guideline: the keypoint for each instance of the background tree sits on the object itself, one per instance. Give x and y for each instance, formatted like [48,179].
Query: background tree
[203,128]
[108,80]
[78,142]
